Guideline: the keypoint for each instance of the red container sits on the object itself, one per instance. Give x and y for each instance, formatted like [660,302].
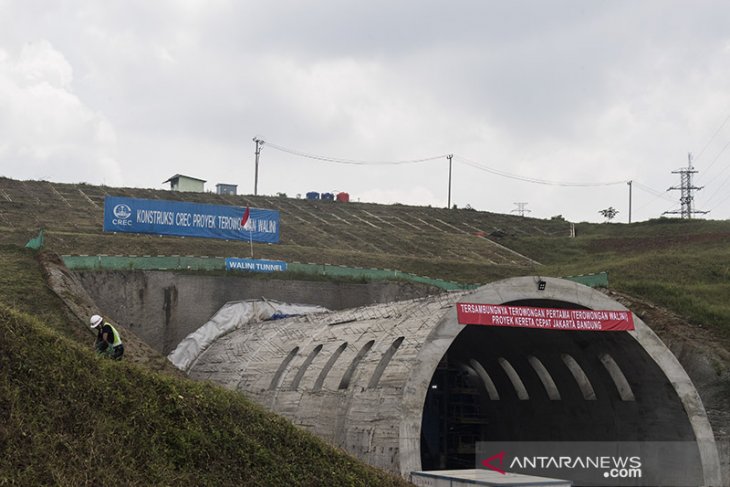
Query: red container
[343,197]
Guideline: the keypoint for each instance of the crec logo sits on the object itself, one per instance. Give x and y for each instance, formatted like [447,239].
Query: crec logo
[488,462]
[122,211]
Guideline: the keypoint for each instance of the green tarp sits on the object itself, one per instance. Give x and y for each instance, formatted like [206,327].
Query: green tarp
[146,262]
[35,243]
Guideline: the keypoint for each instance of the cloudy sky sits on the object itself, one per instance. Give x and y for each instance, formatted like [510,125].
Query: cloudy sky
[556,104]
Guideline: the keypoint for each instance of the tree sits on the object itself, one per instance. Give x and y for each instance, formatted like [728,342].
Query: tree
[609,213]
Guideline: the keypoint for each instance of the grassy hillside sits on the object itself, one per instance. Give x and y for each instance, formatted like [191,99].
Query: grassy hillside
[681,265]
[427,241]
[63,412]
[68,417]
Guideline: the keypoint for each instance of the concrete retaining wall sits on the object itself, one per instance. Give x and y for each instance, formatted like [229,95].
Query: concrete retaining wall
[163,307]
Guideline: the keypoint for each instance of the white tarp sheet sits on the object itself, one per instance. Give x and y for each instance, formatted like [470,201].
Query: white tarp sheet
[231,316]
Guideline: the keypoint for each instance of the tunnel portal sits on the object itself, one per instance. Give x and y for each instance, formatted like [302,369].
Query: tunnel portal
[405,387]
[507,384]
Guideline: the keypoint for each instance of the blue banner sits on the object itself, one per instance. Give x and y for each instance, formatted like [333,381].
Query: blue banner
[254,265]
[185,219]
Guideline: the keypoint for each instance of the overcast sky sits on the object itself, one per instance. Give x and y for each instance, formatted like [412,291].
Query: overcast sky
[129,93]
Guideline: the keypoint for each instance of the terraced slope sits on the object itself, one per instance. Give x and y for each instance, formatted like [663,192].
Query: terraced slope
[680,264]
[72,215]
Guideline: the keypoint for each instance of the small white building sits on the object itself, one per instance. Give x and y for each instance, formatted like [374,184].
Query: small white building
[180,182]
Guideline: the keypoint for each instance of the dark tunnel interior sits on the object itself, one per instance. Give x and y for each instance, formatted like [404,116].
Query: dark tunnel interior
[514,384]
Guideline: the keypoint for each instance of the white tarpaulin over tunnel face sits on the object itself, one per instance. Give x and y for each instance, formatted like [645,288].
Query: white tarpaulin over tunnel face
[405,387]
[232,316]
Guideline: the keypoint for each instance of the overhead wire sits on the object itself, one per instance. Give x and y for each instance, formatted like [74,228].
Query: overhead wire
[712,138]
[498,172]
[337,160]
[466,161]
[705,172]
[654,192]
[715,159]
[717,177]
[720,202]
[483,167]
[721,186]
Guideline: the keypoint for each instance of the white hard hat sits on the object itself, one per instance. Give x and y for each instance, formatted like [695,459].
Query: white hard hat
[95,321]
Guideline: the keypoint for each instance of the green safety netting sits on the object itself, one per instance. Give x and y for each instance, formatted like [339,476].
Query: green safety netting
[118,262]
[36,242]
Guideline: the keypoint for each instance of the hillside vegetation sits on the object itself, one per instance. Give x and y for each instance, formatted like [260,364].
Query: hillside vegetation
[683,265]
[69,418]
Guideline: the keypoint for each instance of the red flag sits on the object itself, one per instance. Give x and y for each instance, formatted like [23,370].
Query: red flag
[246,214]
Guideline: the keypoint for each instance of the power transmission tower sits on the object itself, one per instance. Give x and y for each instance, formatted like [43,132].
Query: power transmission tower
[521,208]
[686,188]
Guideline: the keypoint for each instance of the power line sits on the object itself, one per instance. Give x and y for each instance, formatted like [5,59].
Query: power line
[717,157]
[337,160]
[491,170]
[657,195]
[654,192]
[716,178]
[713,138]
[720,202]
[722,185]
[464,160]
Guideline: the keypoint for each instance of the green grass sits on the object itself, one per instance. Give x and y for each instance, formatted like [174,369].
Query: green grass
[23,287]
[687,272]
[64,412]
[68,417]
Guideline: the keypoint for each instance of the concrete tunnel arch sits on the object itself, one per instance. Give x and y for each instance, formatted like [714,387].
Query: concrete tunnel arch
[361,378]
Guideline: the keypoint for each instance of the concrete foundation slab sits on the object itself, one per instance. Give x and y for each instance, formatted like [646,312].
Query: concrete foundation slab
[471,477]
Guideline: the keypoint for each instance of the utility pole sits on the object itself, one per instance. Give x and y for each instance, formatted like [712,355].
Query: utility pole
[521,208]
[686,189]
[259,144]
[629,183]
[449,157]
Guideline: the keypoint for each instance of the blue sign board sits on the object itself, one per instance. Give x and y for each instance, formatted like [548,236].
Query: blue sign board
[183,219]
[254,265]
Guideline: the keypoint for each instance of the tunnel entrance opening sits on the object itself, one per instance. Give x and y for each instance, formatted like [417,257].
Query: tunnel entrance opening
[499,384]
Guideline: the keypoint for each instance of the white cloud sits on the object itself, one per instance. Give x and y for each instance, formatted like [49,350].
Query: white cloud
[49,133]
[566,91]
[39,63]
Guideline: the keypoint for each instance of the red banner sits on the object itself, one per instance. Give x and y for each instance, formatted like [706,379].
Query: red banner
[545,318]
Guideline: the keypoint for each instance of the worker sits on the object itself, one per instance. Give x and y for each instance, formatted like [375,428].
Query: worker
[108,340]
